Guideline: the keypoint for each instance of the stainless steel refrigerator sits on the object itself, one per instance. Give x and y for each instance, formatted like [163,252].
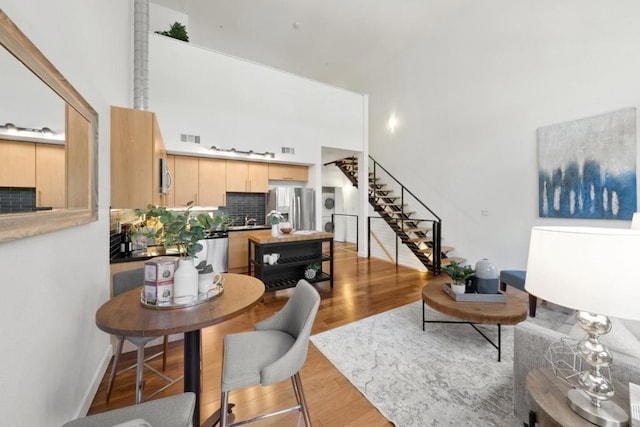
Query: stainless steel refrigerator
[297,204]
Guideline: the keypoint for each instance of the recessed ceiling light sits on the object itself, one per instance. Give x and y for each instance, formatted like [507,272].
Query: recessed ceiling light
[296,25]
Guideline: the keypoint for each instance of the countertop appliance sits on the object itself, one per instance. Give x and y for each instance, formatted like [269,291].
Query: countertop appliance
[215,250]
[297,204]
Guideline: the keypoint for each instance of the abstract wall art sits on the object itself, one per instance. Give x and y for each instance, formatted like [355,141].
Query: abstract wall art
[587,167]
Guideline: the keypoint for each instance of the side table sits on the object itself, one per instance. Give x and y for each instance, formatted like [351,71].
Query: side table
[549,400]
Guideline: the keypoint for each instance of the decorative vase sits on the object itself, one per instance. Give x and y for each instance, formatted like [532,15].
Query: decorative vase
[458,287]
[275,230]
[185,282]
[486,277]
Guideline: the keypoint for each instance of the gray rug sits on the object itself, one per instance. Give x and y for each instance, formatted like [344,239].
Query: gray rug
[446,376]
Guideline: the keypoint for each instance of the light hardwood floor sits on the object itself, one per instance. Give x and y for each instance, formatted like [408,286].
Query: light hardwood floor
[362,287]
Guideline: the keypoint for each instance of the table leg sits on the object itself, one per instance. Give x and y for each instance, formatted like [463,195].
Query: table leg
[192,369]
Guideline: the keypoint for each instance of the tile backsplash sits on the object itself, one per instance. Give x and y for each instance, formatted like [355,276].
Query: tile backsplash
[251,205]
[17,199]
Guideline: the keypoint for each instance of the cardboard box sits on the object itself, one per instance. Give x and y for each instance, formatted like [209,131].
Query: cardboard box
[158,279]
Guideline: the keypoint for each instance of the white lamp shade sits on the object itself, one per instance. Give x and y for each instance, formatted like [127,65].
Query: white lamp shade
[585,268]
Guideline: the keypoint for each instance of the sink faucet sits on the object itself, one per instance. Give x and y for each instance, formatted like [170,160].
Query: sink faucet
[248,221]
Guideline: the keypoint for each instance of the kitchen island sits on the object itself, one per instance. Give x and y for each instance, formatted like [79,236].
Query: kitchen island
[298,252]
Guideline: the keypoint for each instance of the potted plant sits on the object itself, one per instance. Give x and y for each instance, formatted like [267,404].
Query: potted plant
[182,230]
[176,31]
[311,270]
[274,218]
[459,274]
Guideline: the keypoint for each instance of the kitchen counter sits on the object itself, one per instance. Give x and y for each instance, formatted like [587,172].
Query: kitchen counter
[150,252]
[265,237]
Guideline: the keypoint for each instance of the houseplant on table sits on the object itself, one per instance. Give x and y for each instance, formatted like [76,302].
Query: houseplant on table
[459,274]
[182,230]
[274,218]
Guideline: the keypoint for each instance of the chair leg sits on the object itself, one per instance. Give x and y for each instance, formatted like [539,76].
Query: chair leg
[165,349]
[533,302]
[297,389]
[224,415]
[503,286]
[116,358]
[139,369]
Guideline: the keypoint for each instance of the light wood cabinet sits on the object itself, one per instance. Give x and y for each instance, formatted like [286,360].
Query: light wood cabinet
[280,172]
[247,177]
[211,182]
[185,180]
[50,175]
[77,157]
[18,164]
[238,244]
[198,179]
[136,150]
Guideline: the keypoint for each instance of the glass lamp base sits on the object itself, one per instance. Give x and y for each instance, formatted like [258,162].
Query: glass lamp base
[608,414]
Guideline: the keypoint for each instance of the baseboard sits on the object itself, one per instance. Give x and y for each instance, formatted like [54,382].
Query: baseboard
[95,383]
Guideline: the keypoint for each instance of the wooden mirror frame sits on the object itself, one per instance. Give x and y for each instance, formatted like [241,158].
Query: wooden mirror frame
[19,225]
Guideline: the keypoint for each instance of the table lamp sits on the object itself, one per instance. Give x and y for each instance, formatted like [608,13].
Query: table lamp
[594,271]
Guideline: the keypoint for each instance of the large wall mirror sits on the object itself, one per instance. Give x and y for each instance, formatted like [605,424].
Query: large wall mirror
[48,144]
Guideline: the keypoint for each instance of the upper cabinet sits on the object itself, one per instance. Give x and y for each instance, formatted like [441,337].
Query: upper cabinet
[247,177]
[50,175]
[136,150]
[18,164]
[280,172]
[198,180]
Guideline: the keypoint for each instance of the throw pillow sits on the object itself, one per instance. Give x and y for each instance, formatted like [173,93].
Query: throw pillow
[619,339]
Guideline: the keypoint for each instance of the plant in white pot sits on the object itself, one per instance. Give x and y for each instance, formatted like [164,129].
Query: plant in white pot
[459,274]
[274,218]
[182,230]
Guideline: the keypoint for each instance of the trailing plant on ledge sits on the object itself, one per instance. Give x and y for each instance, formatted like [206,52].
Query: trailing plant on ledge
[177,31]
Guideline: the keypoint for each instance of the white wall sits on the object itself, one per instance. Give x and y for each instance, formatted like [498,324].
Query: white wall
[52,284]
[232,103]
[470,93]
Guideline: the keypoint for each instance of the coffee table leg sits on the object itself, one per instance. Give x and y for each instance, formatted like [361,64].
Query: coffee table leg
[499,342]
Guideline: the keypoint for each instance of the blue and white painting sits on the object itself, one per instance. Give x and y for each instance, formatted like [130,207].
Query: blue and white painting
[587,167]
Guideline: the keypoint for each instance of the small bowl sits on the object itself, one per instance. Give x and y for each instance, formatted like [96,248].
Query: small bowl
[286,230]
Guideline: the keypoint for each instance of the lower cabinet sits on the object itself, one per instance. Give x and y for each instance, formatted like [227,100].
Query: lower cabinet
[238,251]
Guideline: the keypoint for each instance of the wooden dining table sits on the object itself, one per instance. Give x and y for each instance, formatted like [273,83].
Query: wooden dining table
[125,315]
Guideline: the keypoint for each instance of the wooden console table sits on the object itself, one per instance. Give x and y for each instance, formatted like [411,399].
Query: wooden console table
[296,251]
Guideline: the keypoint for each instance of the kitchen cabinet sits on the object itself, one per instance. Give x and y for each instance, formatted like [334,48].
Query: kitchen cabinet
[18,167]
[297,252]
[211,182]
[247,177]
[238,251]
[280,172]
[50,175]
[198,179]
[136,150]
[185,180]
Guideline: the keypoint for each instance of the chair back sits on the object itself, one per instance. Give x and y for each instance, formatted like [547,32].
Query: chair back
[127,280]
[296,318]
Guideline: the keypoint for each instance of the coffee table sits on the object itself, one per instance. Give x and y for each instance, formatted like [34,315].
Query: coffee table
[510,312]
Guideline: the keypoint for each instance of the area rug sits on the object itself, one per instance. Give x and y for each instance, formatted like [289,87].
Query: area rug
[447,375]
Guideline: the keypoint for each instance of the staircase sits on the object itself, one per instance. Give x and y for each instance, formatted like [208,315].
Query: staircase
[421,236]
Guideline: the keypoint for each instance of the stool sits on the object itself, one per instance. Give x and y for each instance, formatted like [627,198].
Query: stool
[516,278]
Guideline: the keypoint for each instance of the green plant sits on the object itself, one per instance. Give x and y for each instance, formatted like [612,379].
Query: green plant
[182,229]
[274,217]
[457,272]
[176,31]
[314,266]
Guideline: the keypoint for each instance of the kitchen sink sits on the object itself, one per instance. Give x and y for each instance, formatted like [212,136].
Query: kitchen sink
[248,227]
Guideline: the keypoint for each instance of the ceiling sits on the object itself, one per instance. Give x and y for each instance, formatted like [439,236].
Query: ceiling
[326,40]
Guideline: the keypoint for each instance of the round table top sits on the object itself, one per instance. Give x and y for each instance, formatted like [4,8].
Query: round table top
[125,315]
[510,312]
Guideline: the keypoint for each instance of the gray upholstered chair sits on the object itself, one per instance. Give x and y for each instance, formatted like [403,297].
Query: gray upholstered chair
[275,350]
[123,282]
[172,411]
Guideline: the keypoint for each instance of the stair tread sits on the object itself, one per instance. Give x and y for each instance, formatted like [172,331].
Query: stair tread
[420,240]
[390,204]
[443,249]
[417,229]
